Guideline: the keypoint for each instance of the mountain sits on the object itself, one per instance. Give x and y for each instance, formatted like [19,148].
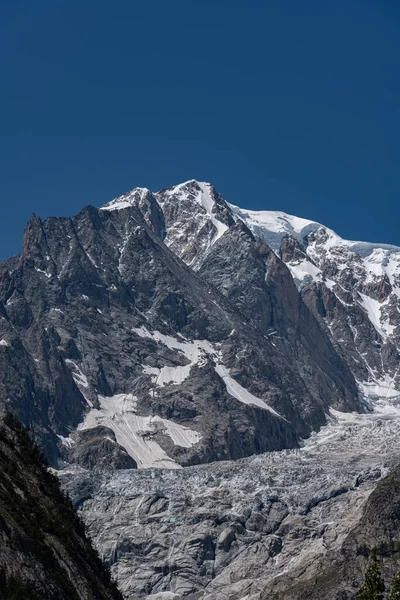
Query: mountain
[173,329]
[44,552]
[353,288]
[169,357]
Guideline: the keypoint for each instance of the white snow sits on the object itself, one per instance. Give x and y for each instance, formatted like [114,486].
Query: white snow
[4,343]
[68,442]
[163,596]
[303,270]
[134,432]
[180,435]
[206,201]
[201,192]
[167,375]
[126,200]
[272,226]
[375,390]
[141,331]
[48,275]
[370,263]
[337,457]
[373,308]
[80,379]
[196,352]
[240,393]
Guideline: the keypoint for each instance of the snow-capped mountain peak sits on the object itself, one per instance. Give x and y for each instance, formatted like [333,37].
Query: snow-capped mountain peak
[273,226]
[126,200]
[196,217]
[361,278]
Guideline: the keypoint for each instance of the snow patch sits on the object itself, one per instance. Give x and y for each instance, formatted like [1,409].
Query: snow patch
[201,192]
[135,432]
[196,352]
[377,390]
[240,393]
[206,201]
[273,226]
[127,200]
[48,275]
[373,308]
[167,375]
[67,442]
[79,378]
[303,271]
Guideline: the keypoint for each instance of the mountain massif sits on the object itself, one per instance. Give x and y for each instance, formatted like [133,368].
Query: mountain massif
[159,346]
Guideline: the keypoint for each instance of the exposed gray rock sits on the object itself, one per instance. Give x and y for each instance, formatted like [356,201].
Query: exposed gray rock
[269,524]
[97,448]
[97,308]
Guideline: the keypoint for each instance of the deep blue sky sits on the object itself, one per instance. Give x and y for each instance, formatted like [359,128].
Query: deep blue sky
[282,104]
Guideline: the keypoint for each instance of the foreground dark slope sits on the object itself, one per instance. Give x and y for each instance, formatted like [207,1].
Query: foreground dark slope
[43,549]
[74,305]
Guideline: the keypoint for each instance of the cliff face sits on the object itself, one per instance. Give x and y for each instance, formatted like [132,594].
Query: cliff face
[44,552]
[164,324]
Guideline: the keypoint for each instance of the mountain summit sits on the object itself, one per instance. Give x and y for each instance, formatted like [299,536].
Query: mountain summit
[160,331]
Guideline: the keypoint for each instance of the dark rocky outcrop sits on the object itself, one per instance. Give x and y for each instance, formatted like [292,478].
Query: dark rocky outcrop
[44,552]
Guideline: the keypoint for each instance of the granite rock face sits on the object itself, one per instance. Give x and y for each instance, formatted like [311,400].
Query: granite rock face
[164,319]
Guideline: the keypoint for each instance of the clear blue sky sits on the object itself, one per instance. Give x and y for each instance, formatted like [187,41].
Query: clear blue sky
[282,104]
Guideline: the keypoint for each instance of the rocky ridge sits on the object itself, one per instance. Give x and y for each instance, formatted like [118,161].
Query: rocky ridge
[353,289]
